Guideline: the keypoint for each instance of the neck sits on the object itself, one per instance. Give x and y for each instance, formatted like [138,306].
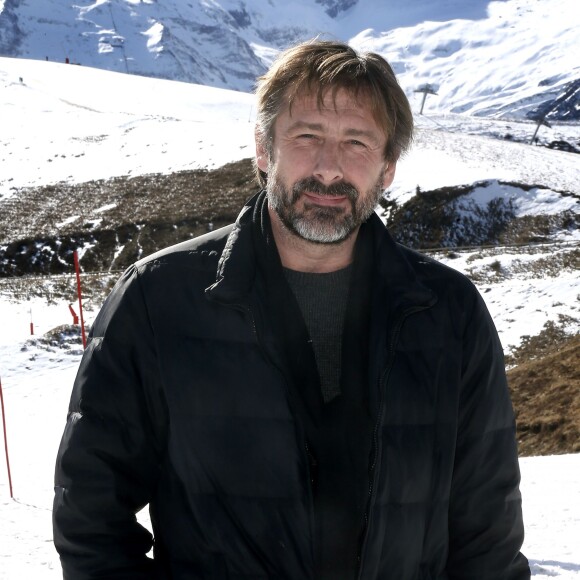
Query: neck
[299,254]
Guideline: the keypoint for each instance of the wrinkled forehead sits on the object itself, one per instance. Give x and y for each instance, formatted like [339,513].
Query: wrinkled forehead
[333,97]
[337,98]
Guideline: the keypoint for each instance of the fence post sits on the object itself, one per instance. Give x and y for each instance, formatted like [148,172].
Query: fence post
[6,441]
[77,269]
[74,314]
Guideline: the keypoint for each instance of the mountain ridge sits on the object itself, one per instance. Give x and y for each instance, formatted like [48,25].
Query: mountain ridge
[228,43]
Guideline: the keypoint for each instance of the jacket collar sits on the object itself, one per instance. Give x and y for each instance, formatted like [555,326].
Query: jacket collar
[250,246]
[394,271]
[238,264]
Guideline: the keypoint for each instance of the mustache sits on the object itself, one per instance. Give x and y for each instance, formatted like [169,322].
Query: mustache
[340,189]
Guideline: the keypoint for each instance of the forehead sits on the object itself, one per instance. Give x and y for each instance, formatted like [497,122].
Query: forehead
[334,105]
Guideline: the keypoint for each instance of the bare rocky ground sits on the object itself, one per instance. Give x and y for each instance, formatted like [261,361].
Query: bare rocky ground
[545,388]
[117,221]
[114,222]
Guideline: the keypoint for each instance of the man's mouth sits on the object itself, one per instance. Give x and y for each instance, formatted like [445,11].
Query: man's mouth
[325,200]
[313,194]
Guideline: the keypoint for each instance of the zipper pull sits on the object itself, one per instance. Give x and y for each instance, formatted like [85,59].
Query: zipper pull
[313,467]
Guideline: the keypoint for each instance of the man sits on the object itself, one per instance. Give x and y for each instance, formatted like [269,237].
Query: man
[296,396]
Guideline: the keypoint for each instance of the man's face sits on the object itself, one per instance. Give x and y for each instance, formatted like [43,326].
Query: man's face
[326,171]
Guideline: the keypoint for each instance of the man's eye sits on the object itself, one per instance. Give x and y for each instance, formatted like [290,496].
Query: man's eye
[306,136]
[356,143]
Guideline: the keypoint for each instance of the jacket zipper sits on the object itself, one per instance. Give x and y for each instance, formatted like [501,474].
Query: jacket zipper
[381,383]
[311,461]
[313,466]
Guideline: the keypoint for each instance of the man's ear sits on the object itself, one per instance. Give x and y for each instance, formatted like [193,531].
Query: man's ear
[262,158]
[389,173]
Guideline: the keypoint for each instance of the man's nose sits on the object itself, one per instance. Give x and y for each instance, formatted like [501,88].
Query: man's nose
[328,168]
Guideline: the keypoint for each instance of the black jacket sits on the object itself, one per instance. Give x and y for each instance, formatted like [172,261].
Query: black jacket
[179,404]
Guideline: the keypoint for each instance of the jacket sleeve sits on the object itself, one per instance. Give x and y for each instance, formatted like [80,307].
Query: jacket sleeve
[485,514]
[108,461]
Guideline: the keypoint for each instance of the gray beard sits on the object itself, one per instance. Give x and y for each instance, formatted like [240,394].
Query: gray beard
[321,224]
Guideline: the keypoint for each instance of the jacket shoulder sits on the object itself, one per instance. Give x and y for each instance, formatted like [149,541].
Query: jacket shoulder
[200,252]
[431,271]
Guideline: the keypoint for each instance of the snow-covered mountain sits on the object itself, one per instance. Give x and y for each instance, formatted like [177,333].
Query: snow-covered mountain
[506,58]
[73,137]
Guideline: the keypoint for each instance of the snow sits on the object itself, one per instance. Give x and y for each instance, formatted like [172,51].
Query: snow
[536,201]
[551,496]
[451,44]
[74,123]
[155,35]
[521,307]
[106,207]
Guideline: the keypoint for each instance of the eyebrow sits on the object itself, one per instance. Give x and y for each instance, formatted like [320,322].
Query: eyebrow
[298,125]
[362,133]
[304,125]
